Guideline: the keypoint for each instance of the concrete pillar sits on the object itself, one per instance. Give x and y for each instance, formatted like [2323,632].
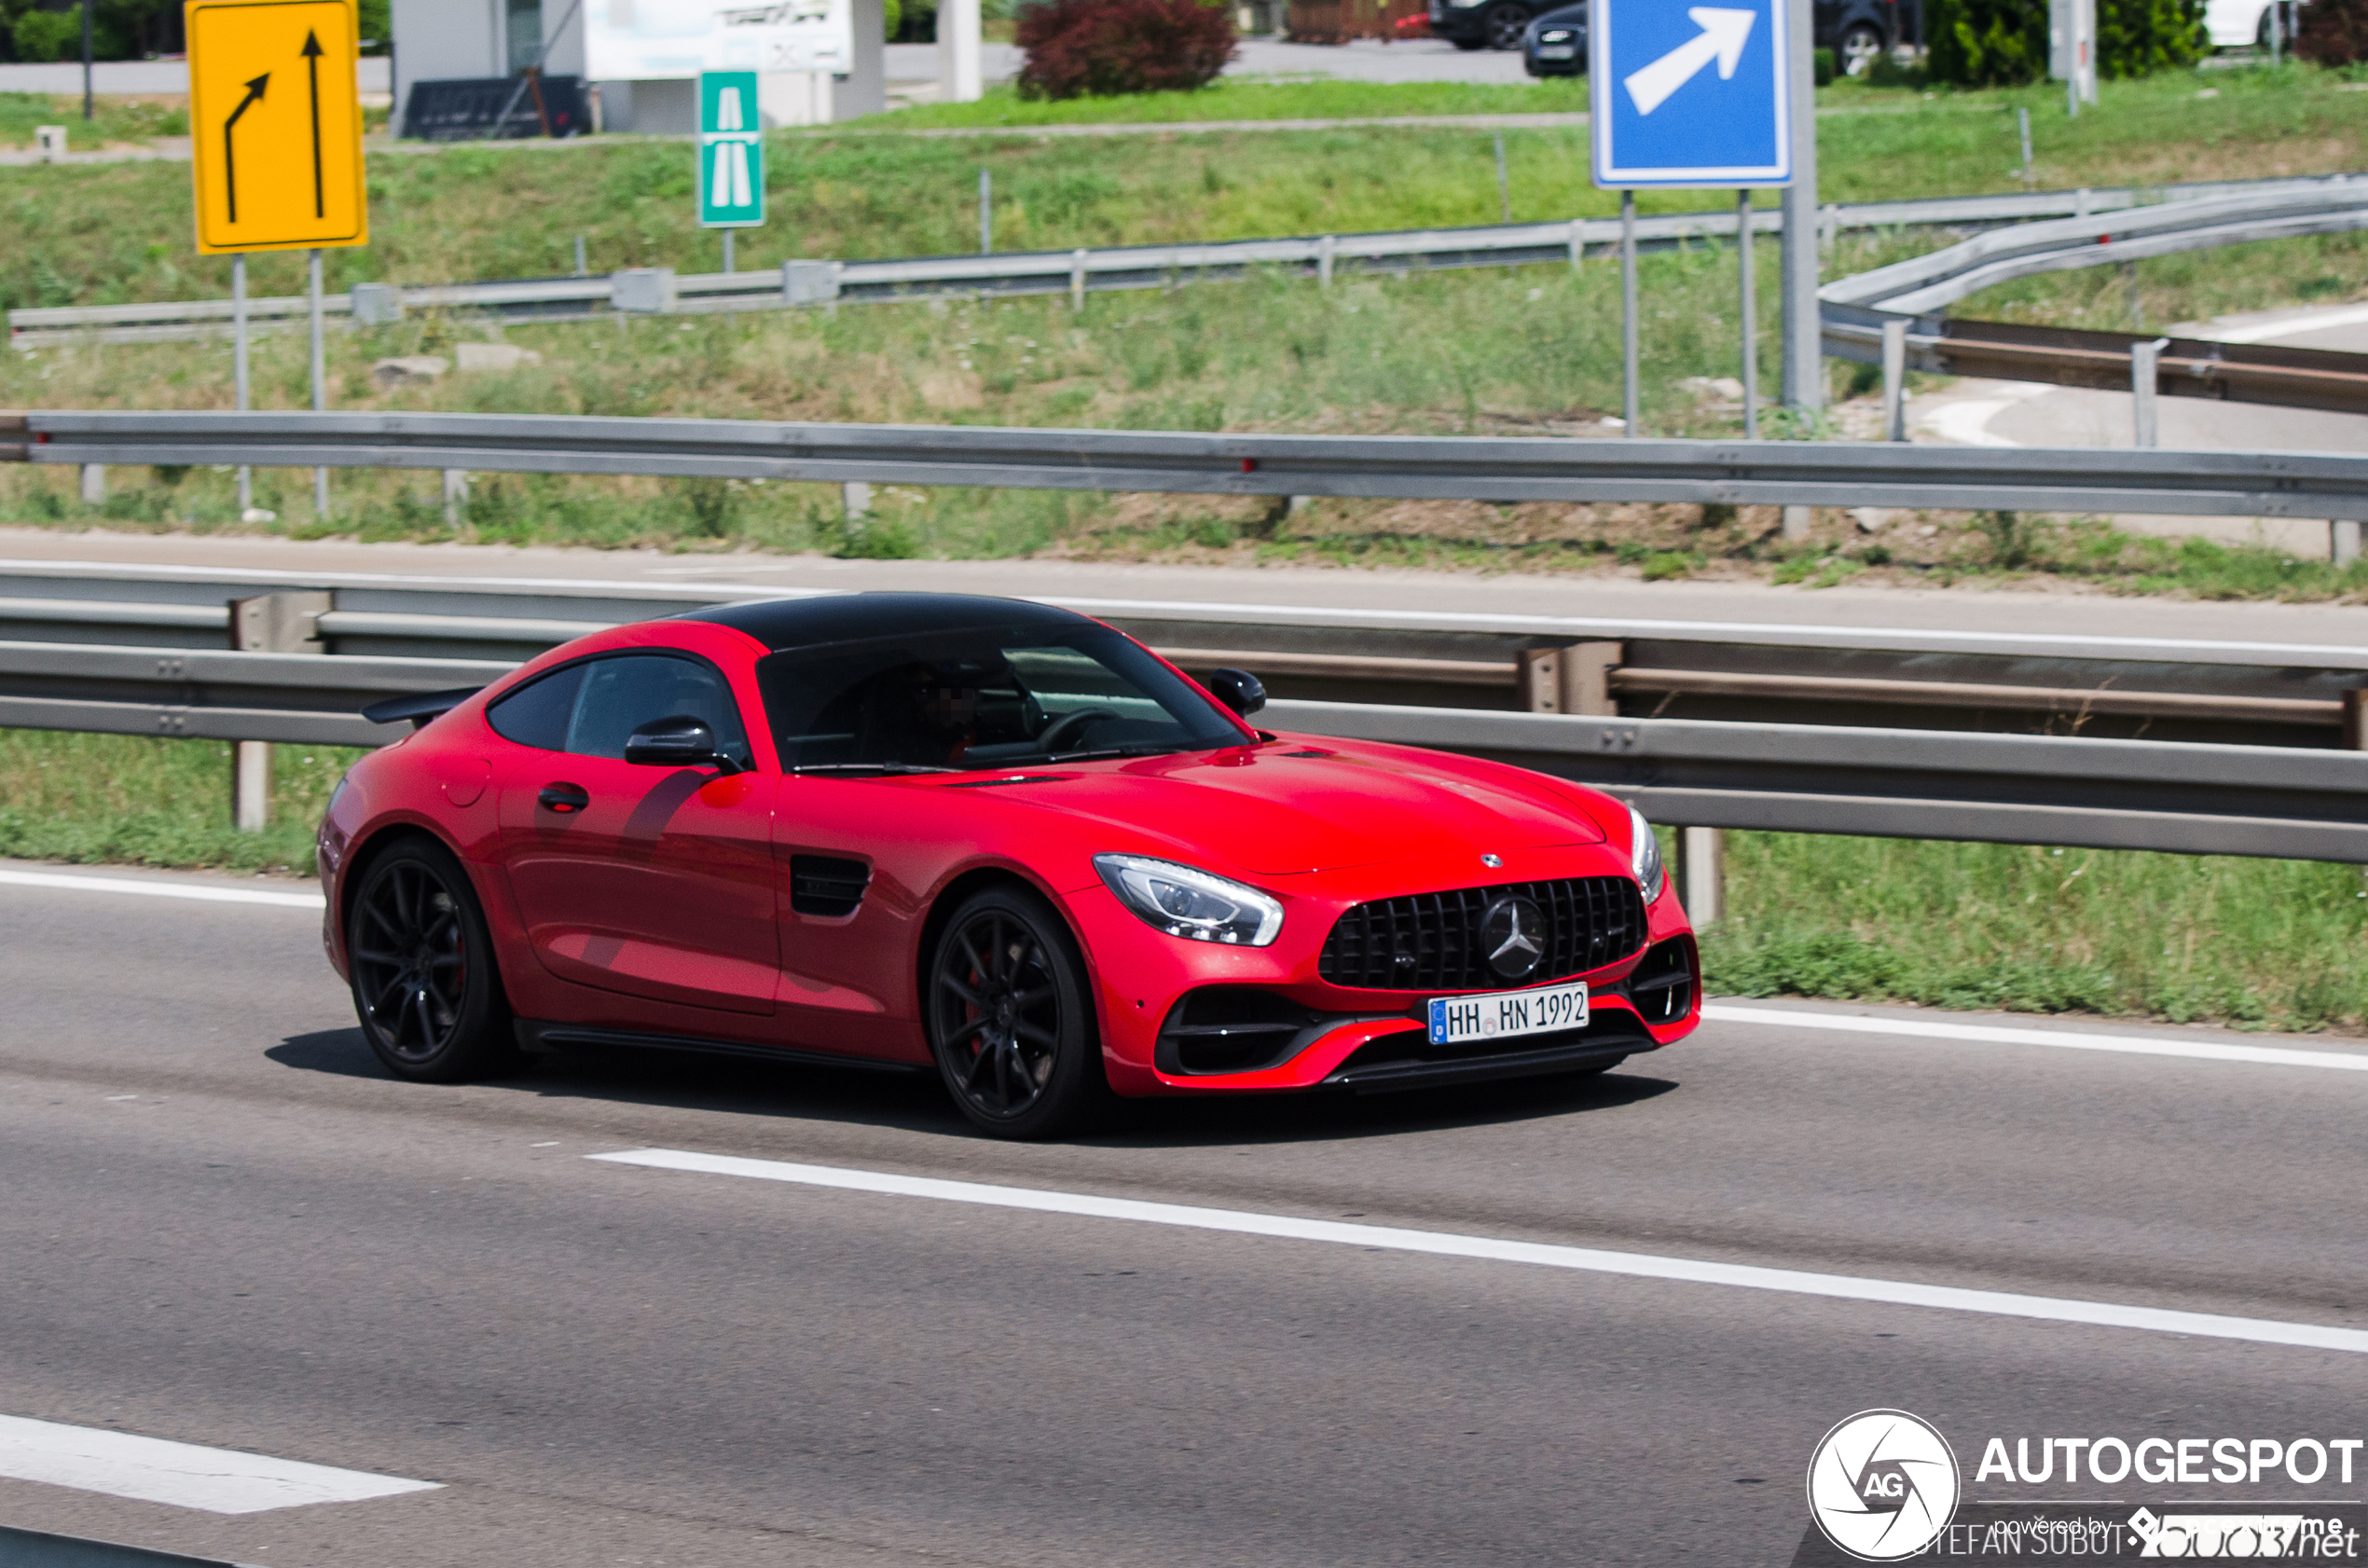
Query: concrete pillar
[864,88]
[959,60]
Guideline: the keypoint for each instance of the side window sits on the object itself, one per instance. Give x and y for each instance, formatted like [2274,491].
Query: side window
[619,695]
[537,713]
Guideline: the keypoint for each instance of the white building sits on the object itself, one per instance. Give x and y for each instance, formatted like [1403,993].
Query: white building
[438,40]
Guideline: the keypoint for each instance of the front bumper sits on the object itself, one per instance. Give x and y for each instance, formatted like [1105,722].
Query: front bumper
[1298,1031]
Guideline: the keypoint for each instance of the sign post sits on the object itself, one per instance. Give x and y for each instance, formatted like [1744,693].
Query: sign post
[1698,96]
[731,154]
[276,145]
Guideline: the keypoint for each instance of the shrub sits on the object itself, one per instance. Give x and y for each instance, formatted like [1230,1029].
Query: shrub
[1988,43]
[49,36]
[1103,48]
[2333,32]
[2140,37]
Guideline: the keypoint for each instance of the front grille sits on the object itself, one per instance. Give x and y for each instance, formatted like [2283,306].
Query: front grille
[1429,942]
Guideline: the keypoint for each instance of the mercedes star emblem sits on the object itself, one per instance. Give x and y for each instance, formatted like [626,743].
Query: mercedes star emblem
[1513,933]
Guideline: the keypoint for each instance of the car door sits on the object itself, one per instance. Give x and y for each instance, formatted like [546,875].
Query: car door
[648,881]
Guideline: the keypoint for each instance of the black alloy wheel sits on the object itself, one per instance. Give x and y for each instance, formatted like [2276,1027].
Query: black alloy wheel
[424,983]
[1504,25]
[1009,1021]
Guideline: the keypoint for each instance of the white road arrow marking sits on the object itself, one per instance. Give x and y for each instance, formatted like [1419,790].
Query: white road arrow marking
[1722,35]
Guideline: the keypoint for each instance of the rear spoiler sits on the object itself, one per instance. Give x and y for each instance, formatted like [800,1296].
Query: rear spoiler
[419,708]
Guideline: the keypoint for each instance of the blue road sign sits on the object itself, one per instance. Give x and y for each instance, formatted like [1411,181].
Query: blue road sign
[1691,95]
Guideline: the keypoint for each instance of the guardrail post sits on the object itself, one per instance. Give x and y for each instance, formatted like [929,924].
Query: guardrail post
[1586,678]
[2356,718]
[94,483]
[642,290]
[1577,242]
[288,623]
[2343,541]
[1324,249]
[1796,519]
[1541,679]
[1076,280]
[809,282]
[2145,359]
[1895,380]
[456,496]
[855,500]
[1702,871]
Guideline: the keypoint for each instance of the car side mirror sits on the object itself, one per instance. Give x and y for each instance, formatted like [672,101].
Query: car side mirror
[1238,690]
[681,741]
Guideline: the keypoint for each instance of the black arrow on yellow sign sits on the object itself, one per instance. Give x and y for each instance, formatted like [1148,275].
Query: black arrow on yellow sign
[312,68]
[229,149]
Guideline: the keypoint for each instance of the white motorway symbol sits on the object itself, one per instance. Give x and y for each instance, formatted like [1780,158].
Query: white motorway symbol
[1721,38]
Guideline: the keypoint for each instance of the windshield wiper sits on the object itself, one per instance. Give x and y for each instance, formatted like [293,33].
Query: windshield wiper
[1136,751]
[883,769]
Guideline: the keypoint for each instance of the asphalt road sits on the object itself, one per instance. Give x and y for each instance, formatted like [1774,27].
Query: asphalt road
[223,1225]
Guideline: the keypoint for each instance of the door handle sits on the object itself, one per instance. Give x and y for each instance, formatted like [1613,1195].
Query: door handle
[565,799]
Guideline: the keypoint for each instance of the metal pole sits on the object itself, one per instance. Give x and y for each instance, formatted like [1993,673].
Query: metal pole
[239,362]
[320,379]
[1804,348]
[2022,122]
[86,104]
[1895,380]
[987,212]
[1628,309]
[578,258]
[727,252]
[1747,253]
[1504,190]
[2144,362]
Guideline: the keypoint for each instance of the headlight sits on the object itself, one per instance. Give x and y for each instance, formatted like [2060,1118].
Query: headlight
[1192,904]
[1560,35]
[1644,856]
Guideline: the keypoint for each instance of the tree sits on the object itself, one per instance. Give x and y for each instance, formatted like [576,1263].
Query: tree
[1103,48]
[2140,37]
[1988,43]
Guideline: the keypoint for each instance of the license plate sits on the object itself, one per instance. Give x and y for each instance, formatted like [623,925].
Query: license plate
[1557,51]
[1507,1014]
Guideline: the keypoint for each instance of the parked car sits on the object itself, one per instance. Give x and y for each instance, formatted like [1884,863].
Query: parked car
[1555,44]
[2235,24]
[1860,32]
[986,839]
[1484,25]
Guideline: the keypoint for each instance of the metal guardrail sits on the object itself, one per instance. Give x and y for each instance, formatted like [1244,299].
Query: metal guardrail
[2097,793]
[2189,690]
[1102,268]
[2308,485]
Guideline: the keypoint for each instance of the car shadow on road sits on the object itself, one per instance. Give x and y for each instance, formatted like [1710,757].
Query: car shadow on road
[916,1102]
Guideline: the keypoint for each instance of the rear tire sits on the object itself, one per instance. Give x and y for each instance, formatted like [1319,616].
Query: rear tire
[1502,26]
[425,987]
[1009,1018]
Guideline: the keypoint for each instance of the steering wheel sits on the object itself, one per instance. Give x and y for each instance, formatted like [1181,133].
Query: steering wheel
[1064,732]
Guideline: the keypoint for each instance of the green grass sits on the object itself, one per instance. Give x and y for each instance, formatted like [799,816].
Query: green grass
[2255,943]
[1244,98]
[120,232]
[137,799]
[118,120]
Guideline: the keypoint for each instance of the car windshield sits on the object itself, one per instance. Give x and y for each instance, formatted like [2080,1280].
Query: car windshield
[980,698]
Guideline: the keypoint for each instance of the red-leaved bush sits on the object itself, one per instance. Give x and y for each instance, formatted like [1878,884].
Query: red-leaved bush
[2335,31]
[1101,47]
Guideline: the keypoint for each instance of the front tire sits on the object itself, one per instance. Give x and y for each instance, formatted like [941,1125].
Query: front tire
[422,964]
[1860,47]
[1502,26]
[1009,1018]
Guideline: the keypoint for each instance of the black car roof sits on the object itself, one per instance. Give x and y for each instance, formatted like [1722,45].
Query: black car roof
[806,623]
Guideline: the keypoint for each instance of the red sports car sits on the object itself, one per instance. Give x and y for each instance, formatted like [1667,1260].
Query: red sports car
[912,829]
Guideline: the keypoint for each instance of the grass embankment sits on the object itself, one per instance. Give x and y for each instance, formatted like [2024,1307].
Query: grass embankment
[2267,943]
[134,799]
[115,122]
[2257,942]
[1243,98]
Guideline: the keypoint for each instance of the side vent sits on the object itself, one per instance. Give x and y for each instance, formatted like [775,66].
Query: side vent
[826,885]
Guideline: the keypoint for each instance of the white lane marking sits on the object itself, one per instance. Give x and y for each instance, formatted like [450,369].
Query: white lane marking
[1794,1282]
[156,1470]
[2292,326]
[161,889]
[2061,1039]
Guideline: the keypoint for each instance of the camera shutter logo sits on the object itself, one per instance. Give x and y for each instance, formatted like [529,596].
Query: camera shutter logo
[1882,1485]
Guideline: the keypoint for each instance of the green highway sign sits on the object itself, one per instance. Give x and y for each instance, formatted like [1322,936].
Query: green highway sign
[731,151]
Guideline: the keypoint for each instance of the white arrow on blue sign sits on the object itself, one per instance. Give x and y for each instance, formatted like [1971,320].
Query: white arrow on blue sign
[1691,95]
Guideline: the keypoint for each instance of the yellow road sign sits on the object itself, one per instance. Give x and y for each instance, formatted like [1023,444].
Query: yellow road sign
[276,125]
